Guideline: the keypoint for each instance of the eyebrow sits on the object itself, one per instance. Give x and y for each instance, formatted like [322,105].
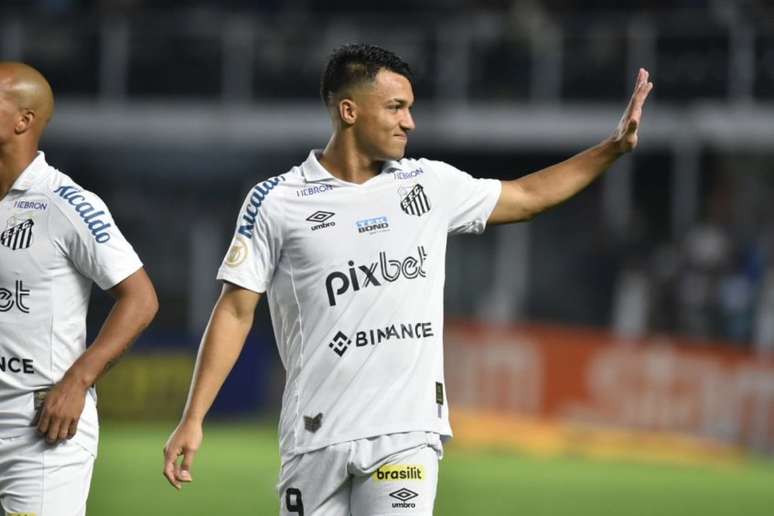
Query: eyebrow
[400,101]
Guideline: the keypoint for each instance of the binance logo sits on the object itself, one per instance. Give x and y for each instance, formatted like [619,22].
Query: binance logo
[340,343]
[392,472]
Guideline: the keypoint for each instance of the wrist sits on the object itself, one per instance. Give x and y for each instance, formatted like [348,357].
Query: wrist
[190,418]
[81,378]
[612,148]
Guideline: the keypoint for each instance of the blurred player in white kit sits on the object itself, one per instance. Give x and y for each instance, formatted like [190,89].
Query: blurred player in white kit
[349,247]
[56,239]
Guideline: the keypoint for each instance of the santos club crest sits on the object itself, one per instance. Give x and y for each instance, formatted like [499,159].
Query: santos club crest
[415,202]
[18,236]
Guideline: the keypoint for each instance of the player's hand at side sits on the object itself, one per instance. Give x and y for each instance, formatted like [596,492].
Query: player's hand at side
[185,442]
[61,410]
[625,135]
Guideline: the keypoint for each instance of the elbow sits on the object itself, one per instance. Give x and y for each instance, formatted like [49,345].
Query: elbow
[146,304]
[150,307]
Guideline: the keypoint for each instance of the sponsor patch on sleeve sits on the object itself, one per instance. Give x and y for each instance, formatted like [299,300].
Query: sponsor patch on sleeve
[238,252]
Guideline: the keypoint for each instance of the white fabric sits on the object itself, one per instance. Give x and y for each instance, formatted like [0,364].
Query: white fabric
[43,480]
[55,239]
[391,474]
[354,276]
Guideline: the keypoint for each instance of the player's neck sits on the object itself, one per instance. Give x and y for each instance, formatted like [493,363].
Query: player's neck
[344,161]
[13,161]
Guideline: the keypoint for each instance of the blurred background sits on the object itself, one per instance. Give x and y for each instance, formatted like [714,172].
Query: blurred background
[632,325]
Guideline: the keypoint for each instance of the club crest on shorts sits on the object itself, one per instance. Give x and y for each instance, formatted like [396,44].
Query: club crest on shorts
[313,424]
[415,202]
[18,236]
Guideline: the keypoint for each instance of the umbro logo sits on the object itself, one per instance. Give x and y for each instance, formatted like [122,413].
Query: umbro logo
[340,343]
[404,494]
[320,219]
[320,216]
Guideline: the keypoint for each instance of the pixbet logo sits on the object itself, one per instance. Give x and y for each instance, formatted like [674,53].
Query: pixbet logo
[11,298]
[374,274]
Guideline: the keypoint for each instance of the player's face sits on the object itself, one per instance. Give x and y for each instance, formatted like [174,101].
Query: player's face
[9,113]
[384,116]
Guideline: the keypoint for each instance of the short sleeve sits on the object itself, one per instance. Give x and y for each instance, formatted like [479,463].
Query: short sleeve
[254,252]
[91,239]
[469,201]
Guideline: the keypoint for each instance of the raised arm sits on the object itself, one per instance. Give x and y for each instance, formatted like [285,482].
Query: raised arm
[134,309]
[523,198]
[221,344]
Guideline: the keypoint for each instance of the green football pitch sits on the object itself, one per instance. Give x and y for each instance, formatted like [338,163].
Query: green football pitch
[236,470]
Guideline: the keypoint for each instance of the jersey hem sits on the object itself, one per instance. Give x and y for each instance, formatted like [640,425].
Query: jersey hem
[444,433]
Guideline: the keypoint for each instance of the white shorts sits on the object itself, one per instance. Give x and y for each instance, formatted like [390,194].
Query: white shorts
[38,479]
[393,474]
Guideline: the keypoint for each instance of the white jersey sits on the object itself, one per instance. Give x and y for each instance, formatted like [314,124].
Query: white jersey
[354,276]
[55,239]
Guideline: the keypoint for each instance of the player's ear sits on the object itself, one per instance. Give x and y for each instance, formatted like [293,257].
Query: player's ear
[24,121]
[348,111]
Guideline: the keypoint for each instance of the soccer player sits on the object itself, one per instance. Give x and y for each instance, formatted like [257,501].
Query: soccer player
[55,240]
[349,247]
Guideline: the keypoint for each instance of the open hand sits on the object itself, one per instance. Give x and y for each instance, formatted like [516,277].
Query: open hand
[625,135]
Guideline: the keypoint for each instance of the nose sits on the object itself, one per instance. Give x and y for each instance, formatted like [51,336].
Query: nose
[407,123]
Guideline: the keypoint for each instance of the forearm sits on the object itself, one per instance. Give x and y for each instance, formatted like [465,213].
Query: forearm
[555,184]
[129,316]
[221,345]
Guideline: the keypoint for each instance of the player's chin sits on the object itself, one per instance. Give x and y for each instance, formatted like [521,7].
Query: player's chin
[396,152]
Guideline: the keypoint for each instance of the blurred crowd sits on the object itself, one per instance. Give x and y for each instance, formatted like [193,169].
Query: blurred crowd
[713,280]
[556,6]
[716,281]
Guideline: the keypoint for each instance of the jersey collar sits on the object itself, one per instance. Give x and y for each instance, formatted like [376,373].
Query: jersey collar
[314,172]
[32,174]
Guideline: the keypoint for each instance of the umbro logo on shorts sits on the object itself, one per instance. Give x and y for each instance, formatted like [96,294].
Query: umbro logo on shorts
[18,236]
[415,202]
[404,494]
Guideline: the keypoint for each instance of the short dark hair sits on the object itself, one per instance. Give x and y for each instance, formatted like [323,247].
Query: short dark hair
[353,64]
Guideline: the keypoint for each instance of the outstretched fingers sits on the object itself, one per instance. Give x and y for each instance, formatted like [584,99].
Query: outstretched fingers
[641,90]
